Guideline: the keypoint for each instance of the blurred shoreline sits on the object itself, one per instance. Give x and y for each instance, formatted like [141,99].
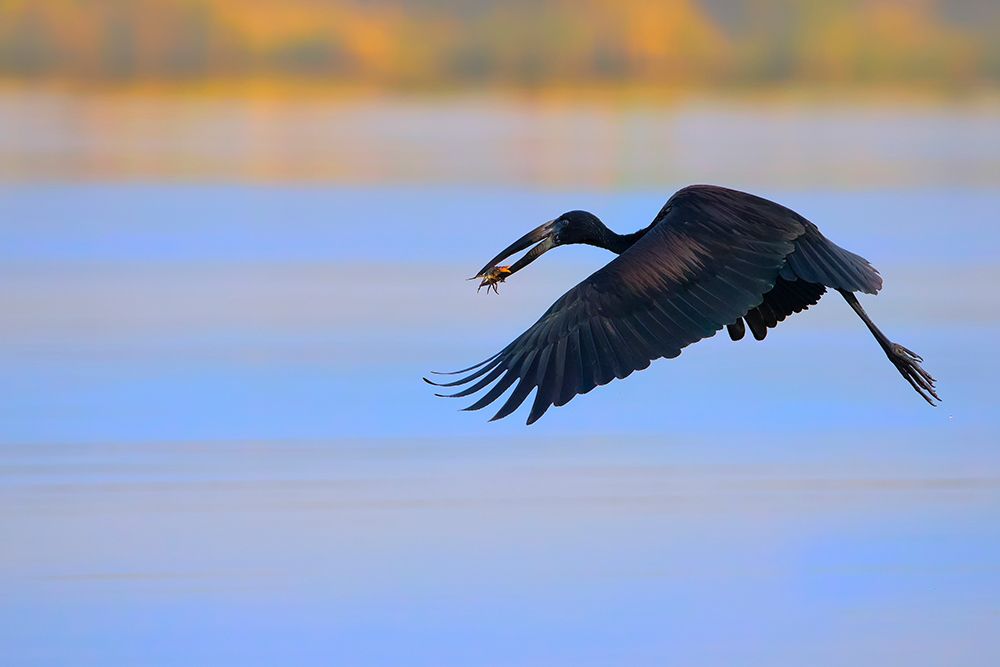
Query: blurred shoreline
[291,89]
[426,44]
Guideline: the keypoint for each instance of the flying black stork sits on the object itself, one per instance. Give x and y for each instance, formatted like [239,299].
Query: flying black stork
[711,258]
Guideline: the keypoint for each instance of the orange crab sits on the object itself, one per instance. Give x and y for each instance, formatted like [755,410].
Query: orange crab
[492,278]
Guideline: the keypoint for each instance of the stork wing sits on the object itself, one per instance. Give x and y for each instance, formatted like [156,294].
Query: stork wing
[787,297]
[706,260]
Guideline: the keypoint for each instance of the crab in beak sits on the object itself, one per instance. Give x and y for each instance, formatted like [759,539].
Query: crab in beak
[492,278]
[492,274]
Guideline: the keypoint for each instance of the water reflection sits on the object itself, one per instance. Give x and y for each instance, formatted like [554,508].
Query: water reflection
[483,140]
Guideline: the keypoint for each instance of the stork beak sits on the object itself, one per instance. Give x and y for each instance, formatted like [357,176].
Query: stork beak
[544,235]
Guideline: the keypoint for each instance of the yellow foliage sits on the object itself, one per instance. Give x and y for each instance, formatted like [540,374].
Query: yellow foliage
[389,42]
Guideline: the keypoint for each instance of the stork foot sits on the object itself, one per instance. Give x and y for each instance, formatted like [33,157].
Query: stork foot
[907,363]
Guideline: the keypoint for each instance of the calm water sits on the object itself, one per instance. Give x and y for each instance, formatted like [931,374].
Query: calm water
[215,447]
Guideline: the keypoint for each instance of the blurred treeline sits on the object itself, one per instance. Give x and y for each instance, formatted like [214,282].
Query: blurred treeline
[441,43]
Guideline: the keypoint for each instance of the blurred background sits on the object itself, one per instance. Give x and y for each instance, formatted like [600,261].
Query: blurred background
[234,235]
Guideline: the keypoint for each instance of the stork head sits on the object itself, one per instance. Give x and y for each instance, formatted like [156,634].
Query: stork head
[570,227]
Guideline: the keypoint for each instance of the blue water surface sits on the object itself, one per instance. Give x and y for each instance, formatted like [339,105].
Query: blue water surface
[215,446]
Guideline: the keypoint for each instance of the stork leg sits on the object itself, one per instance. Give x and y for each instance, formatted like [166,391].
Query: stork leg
[905,361]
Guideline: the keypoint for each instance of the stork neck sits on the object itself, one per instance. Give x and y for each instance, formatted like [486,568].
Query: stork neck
[619,243]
